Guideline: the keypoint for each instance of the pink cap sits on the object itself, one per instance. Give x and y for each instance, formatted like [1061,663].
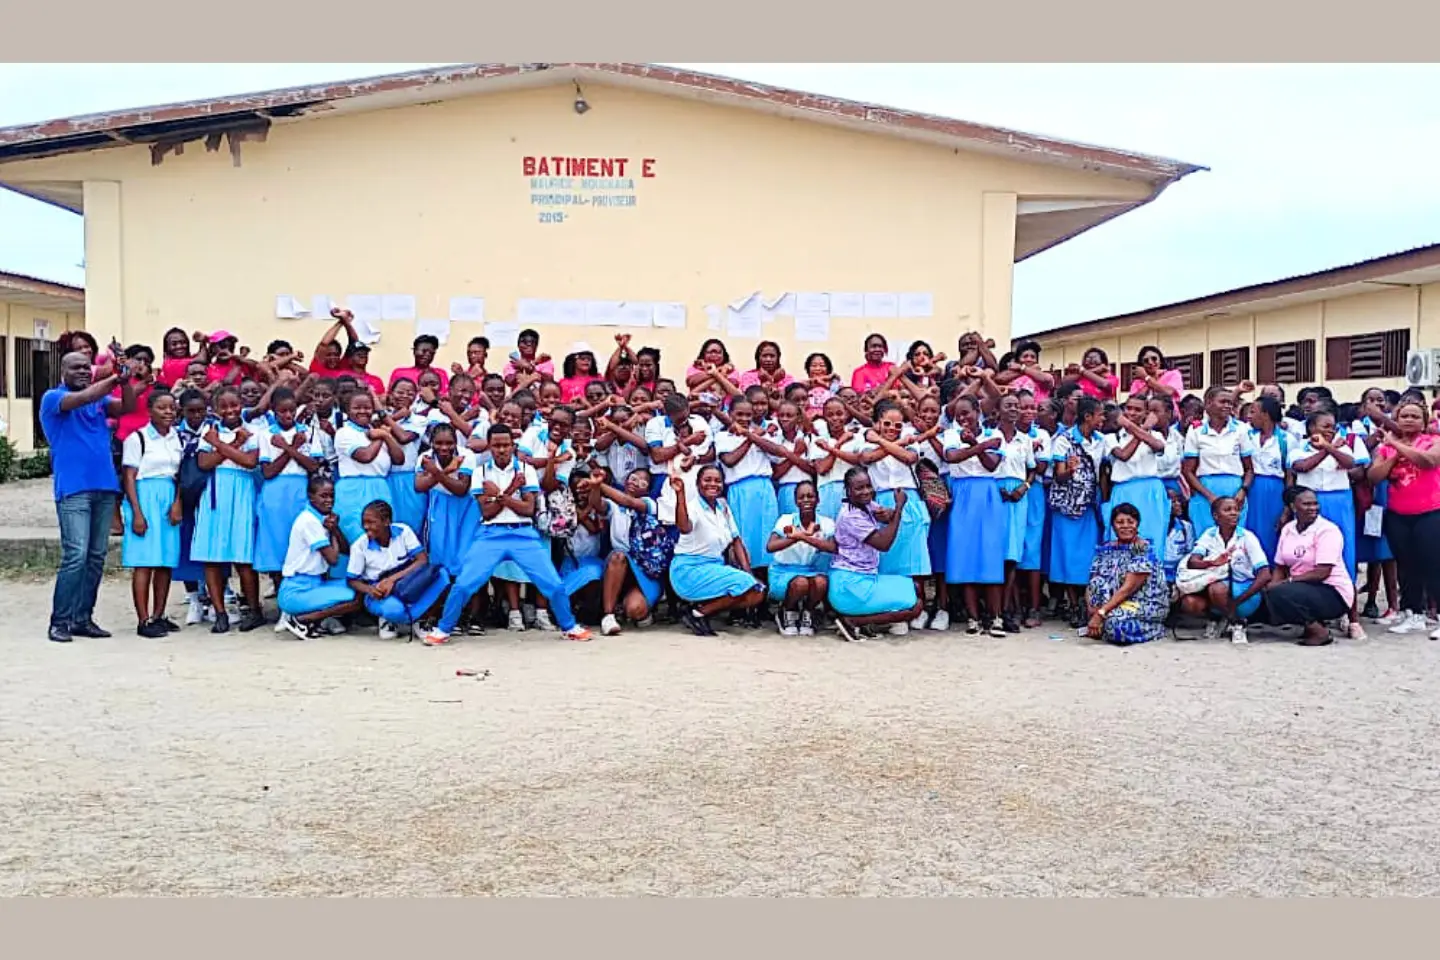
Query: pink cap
[220,335]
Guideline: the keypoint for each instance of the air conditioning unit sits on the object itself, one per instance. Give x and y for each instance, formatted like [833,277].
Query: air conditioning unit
[1422,368]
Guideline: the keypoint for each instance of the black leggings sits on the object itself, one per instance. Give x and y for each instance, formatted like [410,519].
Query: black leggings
[1415,540]
[1303,603]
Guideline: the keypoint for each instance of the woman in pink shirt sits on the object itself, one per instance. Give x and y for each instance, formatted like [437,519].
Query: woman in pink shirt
[1311,585]
[876,369]
[712,366]
[579,369]
[1023,372]
[1094,376]
[767,373]
[1152,377]
[1409,458]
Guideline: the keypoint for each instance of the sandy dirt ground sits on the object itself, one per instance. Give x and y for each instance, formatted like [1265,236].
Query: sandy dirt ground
[665,764]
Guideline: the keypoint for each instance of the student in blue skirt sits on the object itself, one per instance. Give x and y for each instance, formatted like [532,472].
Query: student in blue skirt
[1134,453]
[928,414]
[365,452]
[150,460]
[708,532]
[444,474]
[1325,463]
[308,596]
[1168,464]
[626,587]
[1073,539]
[1371,550]
[1032,557]
[801,544]
[1016,478]
[860,595]
[1217,458]
[408,501]
[837,454]
[195,419]
[891,464]
[288,456]
[745,454]
[790,472]
[978,523]
[667,441]
[385,555]
[1271,444]
[225,521]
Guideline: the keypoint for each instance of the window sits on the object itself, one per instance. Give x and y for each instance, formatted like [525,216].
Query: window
[1127,375]
[4,380]
[1229,367]
[1191,367]
[24,368]
[1368,356]
[1292,362]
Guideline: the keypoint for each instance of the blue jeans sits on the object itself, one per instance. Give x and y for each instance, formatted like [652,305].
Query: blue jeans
[84,542]
[494,544]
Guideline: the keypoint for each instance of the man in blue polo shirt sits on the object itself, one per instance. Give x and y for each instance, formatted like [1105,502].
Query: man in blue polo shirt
[73,416]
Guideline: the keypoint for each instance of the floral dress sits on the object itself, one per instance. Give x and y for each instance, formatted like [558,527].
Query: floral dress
[1141,618]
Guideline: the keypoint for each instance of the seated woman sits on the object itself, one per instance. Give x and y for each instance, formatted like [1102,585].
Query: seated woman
[307,597]
[1224,575]
[860,595]
[800,544]
[1311,584]
[380,560]
[1128,599]
[626,587]
[699,573]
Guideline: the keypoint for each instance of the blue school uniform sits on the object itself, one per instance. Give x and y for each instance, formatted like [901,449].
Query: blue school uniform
[156,459]
[750,493]
[698,571]
[358,484]
[1036,509]
[622,520]
[369,561]
[306,587]
[830,484]
[1137,482]
[1073,539]
[583,563]
[978,522]
[1266,501]
[909,555]
[450,521]
[225,520]
[408,504]
[1331,485]
[1220,467]
[282,497]
[799,560]
[187,570]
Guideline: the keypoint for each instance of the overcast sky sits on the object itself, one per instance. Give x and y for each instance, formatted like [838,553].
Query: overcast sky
[1310,166]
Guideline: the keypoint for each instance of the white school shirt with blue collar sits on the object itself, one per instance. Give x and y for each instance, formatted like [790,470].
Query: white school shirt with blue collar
[350,438]
[308,537]
[926,451]
[1167,464]
[801,554]
[269,453]
[535,443]
[418,425]
[1218,452]
[369,561]
[660,432]
[755,462]
[251,445]
[794,474]
[623,459]
[1017,456]
[836,473]
[501,477]
[583,543]
[311,420]
[158,458]
[1071,440]
[888,473]
[1271,457]
[466,469]
[1296,428]
[1244,562]
[622,519]
[971,466]
[1144,463]
[1328,476]
[712,529]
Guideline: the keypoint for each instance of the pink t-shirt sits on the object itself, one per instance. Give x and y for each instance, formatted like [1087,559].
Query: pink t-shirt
[1170,378]
[1413,490]
[172,370]
[1025,382]
[1091,389]
[318,367]
[750,378]
[376,385]
[1319,544]
[692,370]
[868,376]
[216,372]
[414,374]
[128,423]
[573,388]
[546,370]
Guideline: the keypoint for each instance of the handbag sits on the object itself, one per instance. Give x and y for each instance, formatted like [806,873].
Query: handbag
[412,587]
[932,488]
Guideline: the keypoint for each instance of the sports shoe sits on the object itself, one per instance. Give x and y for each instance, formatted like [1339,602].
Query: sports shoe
[779,619]
[577,633]
[972,628]
[941,620]
[543,622]
[332,626]
[1370,611]
[475,628]
[1409,623]
[647,621]
[152,630]
[807,624]
[1390,616]
[170,625]
[387,630]
[609,626]
[207,612]
[194,610]
[1435,634]
[791,627]
[434,637]
[289,624]
[1355,631]
[698,623]
[997,627]
[221,624]
[1212,630]
[848,632]
[517,621]
[1237,633]
[900,629]
[919,622]
[1010,624]
[252,620]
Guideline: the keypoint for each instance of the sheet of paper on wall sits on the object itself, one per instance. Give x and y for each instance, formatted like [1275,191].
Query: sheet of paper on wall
[605,313]
[767,315]
[397,306]
[812,327]
[570,313]
[467,309]
[739,324]
[637,314]
[532,312]
[670,315]
[502,333]
[847,304]
[369,331]
[812,303]
[365,306]
[290,308]
[320,306]
[740,303]
[917,305]
[437,327]
[714,317]
[782,304]
[882,304]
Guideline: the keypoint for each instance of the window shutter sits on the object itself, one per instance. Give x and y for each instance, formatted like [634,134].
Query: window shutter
[1265,364]
[1337,358]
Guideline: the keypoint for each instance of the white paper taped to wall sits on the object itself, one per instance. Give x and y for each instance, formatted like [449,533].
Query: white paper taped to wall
[782,304]
[368,331]
[320,307]
[812,327]
[532,312]
[467,309]
[917,304]
[847,304]
[570,313]
[738,324]
[605,313]
[438,327]
[502,333]
[714,317]
[365,306]
[812,303]
[670,315]
[882,305]
[289,308]
[637,314]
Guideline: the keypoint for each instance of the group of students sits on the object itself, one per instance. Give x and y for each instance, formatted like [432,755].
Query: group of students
[440,500]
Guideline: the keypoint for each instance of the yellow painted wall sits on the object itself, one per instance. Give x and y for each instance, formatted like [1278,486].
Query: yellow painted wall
[19,321]
[431,200]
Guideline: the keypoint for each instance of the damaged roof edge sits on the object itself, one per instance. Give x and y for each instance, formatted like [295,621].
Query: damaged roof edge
[112,124]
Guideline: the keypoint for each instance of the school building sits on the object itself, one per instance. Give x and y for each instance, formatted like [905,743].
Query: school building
[1350,328]
[589,198]
[33,313]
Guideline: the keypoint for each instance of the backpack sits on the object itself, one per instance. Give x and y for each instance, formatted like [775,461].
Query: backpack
[1075,496]
[192,478]
[555,514]
[933,488]
[652,544]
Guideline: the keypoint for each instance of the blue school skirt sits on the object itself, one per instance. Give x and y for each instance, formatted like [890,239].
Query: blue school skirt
[1016,518]
[909,555]
[352,496]
[977,532]
[1072,547]
[785,497]
[306,593]
[854,594]
[782,573]
[1172,485]
[938,541]
[657,484]
[1266,503]
[1338,506]
[755,508]
[225,532]
[391,608]
[1222,485]
[1032,557]
[832,498]
[281,501]
[450,524]
[160,547]
[577,574]
[1371,549]
[407,503]
[697,579]
[649,586]
[1146,494]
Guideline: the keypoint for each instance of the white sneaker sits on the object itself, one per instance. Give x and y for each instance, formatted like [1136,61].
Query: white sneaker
[1409,623]
[807,624]
[517,622]
[941,620]
[919,622]
[1237,634]
[609,626]
[1356,631]
[577,633]
[387,630]
[1435,634]
[542,620]
[899,629]
[1212,630]
[195,611]
[1389,617]
[207,612]
[290,625]
[791,627]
